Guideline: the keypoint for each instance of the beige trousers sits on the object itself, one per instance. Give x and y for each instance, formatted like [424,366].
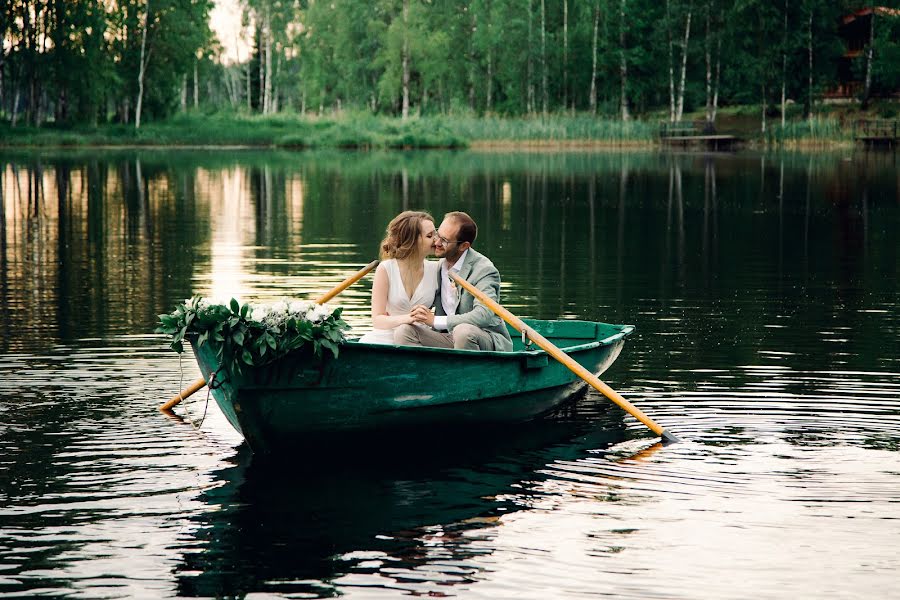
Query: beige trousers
[464,337]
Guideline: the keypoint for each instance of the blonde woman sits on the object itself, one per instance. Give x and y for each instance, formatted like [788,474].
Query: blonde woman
[404,277]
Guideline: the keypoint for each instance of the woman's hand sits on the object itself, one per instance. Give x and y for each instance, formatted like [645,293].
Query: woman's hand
[422,314]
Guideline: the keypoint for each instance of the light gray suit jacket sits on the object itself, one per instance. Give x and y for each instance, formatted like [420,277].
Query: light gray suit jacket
[478,270]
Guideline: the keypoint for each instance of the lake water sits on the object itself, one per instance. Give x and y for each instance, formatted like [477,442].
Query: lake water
[764,289]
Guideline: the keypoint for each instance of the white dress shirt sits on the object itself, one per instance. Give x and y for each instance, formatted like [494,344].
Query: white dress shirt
[449,292]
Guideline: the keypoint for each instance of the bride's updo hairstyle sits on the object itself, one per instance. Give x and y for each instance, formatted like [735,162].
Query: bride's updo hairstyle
[403,234]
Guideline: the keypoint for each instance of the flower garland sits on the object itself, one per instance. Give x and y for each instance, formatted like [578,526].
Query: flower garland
[254,335]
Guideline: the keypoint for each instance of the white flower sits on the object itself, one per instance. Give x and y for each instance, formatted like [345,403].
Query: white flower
[318,313]
[299,308]
[259,312]
[280,307]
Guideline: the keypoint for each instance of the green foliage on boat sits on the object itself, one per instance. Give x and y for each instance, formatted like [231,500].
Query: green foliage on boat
[245,335]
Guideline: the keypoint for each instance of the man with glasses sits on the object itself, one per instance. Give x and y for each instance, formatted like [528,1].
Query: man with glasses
[459,320]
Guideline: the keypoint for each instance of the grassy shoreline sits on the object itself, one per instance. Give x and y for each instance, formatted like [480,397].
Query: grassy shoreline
[368,132]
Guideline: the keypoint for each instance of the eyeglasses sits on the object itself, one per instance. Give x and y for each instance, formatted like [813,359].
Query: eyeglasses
[444,241]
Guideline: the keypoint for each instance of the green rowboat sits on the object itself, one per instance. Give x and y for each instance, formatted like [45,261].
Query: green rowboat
[374,388]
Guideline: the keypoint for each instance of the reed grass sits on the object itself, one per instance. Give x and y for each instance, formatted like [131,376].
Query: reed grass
[367,131]
[815,131]
[348,130]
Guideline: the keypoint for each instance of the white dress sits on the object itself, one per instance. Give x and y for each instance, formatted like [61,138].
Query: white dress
[398,303]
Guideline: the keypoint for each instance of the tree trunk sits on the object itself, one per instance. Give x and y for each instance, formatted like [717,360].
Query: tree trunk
[623,65]
[405,60]
[228,82]
[708,53]
[684,52]
[529,92]
[565,54]
[544,93]
[671,65]
[784,65]
[2,62]
[593,97]
[260,47]
[715,108]
[183,92]
[196,90]
[867,90]
[142,68]
[274,102]
[490,81]
[267,99]
[29,50]
[763,120]
[249,88]
[472,60]
[15,107]
[809,46]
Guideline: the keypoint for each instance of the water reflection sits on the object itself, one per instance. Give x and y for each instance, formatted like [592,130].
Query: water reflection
[415,513]
[763,288]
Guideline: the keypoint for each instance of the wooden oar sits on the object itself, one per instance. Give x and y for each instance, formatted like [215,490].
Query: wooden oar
[199,383]
[565,359]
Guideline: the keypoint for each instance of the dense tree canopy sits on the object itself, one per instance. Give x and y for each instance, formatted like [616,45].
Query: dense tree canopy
[89,61]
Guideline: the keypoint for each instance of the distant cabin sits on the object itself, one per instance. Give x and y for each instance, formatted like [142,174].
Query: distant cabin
[855,29]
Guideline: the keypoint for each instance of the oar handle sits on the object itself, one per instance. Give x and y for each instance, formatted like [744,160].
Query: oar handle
[347,282]
[564,358]
[199,383]
[183,394]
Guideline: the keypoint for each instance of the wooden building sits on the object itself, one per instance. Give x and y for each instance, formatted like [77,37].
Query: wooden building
[856,30]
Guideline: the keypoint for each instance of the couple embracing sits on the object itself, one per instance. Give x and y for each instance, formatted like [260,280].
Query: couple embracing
[408,286]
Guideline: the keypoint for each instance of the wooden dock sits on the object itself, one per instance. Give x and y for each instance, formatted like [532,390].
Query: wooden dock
[877,132]
[697,134]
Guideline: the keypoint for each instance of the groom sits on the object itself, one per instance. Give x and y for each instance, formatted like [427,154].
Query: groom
[459,321]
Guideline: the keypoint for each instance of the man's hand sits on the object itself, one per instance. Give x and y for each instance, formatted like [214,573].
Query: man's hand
[422,314]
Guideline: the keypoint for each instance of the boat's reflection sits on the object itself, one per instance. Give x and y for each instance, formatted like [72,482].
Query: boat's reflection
[297,526]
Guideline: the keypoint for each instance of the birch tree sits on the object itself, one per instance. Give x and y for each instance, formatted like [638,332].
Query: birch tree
[669,63]
[592,100]
[565,65]
[784,59]
[712,38]
[623,65]
[404,59]
[684,53]
[142,66]
[870,51]
[545,94]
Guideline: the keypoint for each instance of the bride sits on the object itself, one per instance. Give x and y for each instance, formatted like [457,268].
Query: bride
[404,277]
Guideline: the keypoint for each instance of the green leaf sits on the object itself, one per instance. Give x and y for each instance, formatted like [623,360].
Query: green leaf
[235,307]
[238,337]
[244,310]
[247,357]
[202,339]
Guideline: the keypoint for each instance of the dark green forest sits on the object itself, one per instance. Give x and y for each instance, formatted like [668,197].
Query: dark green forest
[131,61]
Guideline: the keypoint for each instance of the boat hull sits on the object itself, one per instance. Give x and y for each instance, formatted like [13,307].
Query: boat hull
[377,388]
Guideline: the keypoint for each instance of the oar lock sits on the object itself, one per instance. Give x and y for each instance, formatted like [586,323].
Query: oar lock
[526,341]
[215,381]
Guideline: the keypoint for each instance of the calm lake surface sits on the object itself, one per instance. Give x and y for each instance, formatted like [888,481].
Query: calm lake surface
[764,289]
